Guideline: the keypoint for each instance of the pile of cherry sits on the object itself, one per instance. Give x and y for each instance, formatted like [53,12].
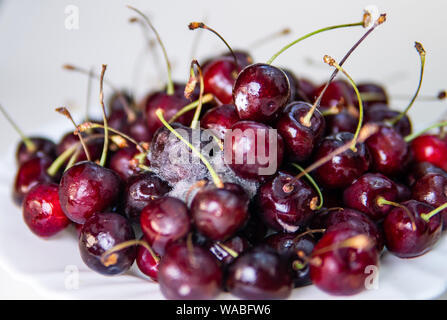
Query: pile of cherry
[368,182]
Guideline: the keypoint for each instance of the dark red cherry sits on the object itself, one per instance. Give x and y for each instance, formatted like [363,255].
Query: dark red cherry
[43,147]
[381,113]
[293,84]
[289,246]
[420,169]
[220,119]
[29,174]
[403,192]
[164,221]
[101,232]
[364,193]
[86,188]
[146,263]
[286,211]
[94,146]
[340,122]
[141,189]
[259,273]
[404,241]
[342,169]
[300,139]
[256,150]
[138,130]
[243,57]
[341,271]
[124,163]
[430,148]
[373,92]
[260,91]
[189,272]
[118,120]
[237,244]
[218,213]
[351,218]
[219,78]
[42,211]
[389,152]
[305,90]
[339,92]
[116,101]
[432,189]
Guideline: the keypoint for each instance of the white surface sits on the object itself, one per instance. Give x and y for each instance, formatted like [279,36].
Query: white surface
[35,44]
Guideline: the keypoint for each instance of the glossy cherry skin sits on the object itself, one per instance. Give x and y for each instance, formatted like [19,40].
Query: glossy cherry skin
[286,211]
[351,218]
[430,148]
[338,92]
[432,189]
[101,232]
[300,139]
[341,271]
[140,190]
[248,152]
[86,188]
[420,169]
[219,78]
[124,163]
[94,146]
[380,95]
[218,213]
[293,84]
[259,273]
[340,122]
[29,174]
[288,245]
[220,119]
[260,91]
[44,147]
[364,192]
[381,113]
[237,243]
[341,170]
[146,263]
[164,221]
[42,211]
[190,273]
[389,152]
[402,240]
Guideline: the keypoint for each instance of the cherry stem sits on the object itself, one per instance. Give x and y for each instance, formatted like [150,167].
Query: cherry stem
[88,94]
[103,159]
[205,99]
[170,84]
[64,111]
[217,181]
[331,111]
[311,34]
[359,242]
[368,130]
[312,181]
[29,144]
[379,21]
[413,136]
[110,257]
[421,51]
[73,159]
[381,201]
[257,43]
[230,251]
[201,25]
[428,216]
[130,113]
[310,231]
[329,60]
[193,79]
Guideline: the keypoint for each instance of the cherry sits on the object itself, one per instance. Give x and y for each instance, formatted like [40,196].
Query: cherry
[255,229]
[147,263]
[218,76]
[389,151]
[189,272]
[382,113]
[116,102]
[366,192]
[340,260]
[42,211]
[218,213]
[86,188]
[430,148]
[300,139]
[164,221]
[286,211]
[343,168]
[290,245]
[293,84]
[220,119]
[94,146]
[100,233]
[42,147]
[411,236]
[138,129]
[124,163]
[372,93]
[431,189]
[259,273]
[337,93]
[247,150]
[305,90]
[236,245]
[340,122]
[141,189]
[420,169]
[403,192]
[29,174]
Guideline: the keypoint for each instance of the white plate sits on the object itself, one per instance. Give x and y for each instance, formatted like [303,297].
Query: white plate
[50,266]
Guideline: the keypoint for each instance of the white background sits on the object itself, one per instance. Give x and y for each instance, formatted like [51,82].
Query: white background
[35,43]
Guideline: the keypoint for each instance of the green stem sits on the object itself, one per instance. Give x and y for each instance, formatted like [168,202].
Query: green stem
[314,184]
[413,136]
[195,119]
[214,176]
[311,34]
[60,160]
[381,201]
[428,216]
[105,148]
[30,146]
[205,99]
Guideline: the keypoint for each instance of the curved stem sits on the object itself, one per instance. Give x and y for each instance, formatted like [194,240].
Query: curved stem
[105,148]
[230,251]
[29,144]
[381,201]
[214,176]
[311,34]
[428,216]
[195,119]
[108,258]
[170,84]
[205,99]
[315,185]
[413,136]
[61,159]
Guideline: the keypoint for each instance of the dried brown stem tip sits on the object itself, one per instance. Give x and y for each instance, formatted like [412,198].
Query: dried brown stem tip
[329,60]
[419,48]
[442,95]
[366,19]
[381,19]
[196,25]
[133,20]
[69,67]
